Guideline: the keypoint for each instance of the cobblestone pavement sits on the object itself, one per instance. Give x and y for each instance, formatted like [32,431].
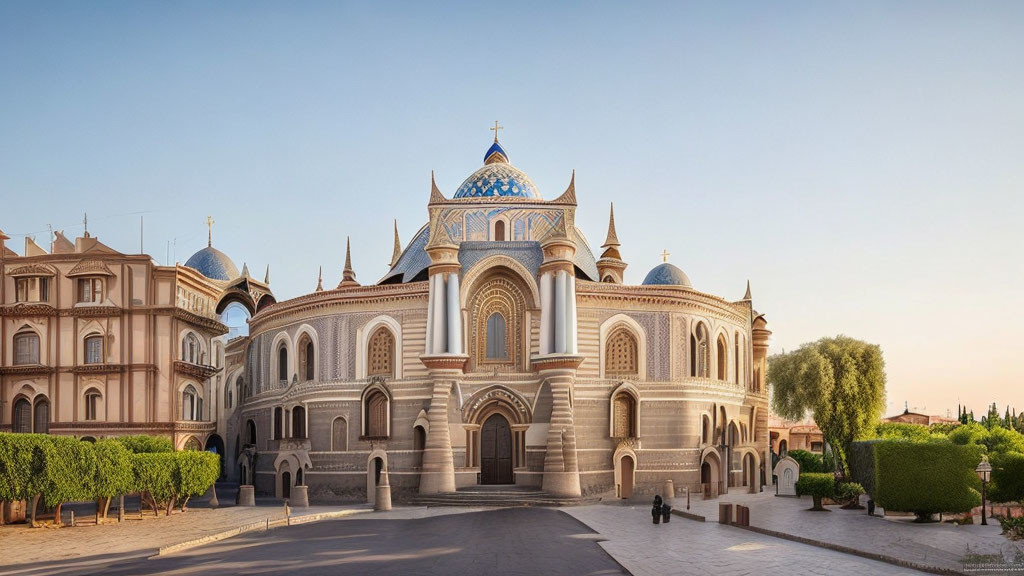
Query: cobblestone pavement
[940,545]
[685,547]
[25,550]
[510,541]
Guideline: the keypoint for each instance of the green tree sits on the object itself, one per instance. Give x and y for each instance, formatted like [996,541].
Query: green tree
[20,468]
[114,473]
[194,473]
[817,486]
[841,380]
[68,472]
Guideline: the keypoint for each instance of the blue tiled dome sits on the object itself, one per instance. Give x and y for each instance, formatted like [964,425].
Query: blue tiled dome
[213,264]
[497,178]
[666,274]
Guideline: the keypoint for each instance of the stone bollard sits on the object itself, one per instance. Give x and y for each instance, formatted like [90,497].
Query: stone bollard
[213,503]
[300,497]
[724,513]
[669,492]
[382,499]
[246,495]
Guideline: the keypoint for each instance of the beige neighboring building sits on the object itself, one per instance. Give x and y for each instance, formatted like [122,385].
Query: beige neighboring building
[787,435]
[908,417]
[499,349]
[95,343]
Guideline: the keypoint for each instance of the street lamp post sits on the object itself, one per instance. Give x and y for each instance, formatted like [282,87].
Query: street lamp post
[984,471]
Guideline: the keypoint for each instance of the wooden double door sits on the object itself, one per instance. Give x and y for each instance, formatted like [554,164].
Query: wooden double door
[496,451]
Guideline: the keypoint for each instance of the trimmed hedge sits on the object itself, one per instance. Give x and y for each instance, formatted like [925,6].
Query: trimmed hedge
[921,477]
[1007,478]
[809,461]
[902,431]
[817,486]
[58,469]
[862,464]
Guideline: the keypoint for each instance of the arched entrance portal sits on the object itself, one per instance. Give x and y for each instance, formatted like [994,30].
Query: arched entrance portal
[496,451]
[216,445]
[286,485]
[627,467]
[710,475]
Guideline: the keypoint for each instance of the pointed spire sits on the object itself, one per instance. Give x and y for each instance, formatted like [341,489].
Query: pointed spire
[398,247]
[348,277]
[209,231]
[612,239]
[245,270]
[746,295]
[320,280]
[569,196]
[435,193]
[266,277]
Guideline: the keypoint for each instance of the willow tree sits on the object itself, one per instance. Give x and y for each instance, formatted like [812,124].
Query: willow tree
[840,380]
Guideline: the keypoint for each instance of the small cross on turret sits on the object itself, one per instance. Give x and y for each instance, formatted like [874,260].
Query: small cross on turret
[495,129]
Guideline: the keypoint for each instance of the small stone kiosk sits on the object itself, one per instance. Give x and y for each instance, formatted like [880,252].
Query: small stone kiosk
[788,472]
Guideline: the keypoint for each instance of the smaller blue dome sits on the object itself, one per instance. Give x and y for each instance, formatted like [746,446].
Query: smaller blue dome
[666,274]
[213,264]
[495,149]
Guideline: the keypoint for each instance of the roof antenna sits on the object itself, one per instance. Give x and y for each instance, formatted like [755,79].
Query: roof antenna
[85,221]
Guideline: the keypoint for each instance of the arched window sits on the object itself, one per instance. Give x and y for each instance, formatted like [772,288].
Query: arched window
[734,434]
[190,349]
[193,444]
[705,429]
[189,404]
[376,416]
[699,352]
[339,435]
[624,414]
[497,332]
[227,395]
[22,416]
[723,358]
[41,417]
[92,400]
[307,358]
[282,364]
[499,231]
[94,349]
[299,422]
[620,355]
[381,353]
[26,348]
[251,432]
[278,432]
[608,279]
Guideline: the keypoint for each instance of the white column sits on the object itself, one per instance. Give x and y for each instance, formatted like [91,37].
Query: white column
[429,349]
[454,323]
[545,313]
[560,284]
[440,320]
[570,310]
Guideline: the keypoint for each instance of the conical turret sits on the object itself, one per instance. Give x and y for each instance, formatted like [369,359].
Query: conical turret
[397,252]
[348,277]
[610,266]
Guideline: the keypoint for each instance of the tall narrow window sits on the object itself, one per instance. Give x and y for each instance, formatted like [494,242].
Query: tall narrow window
[189,403]
[190,349]
[699,352]
[282,364]
[90,290]
[381,353]
[94,349]
[307,358]
[44,289]
[497,342]
[623,411]
[723,358]
[299,422]
[620,357]
[499,231]
[251,432]
[377,415]
[92,400]
[22,416]
[339,435]
[736,361]
[21,290]
[278,423]
[41,417]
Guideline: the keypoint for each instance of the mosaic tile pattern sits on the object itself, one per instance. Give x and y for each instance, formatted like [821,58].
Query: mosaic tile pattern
[666,274]
[213,264]
[498,179]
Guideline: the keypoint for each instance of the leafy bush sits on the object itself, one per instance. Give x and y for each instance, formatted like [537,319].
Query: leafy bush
[925,478]
[817,486]
[114,472]
[965,434]
[146,444]
[1001,440]
[1007,477]
[194,473]
[166,478]
[1012,527]
[808,461]
[68,471]
[943,428]
[848,491]
[862,465]
[20,465]
[154,478]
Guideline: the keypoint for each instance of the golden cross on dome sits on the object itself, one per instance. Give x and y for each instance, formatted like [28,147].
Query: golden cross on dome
[495,129]
[209,230]
[664,255]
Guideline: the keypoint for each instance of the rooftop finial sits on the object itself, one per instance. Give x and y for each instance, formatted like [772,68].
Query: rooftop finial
[664,255]
[209,231]
[746,295]
[398,247]
[348,276]
[85,222]
[495,129]
[266,277]
[320,280]
[612,239]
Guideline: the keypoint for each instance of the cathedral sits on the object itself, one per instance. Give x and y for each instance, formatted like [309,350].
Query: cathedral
[496,350]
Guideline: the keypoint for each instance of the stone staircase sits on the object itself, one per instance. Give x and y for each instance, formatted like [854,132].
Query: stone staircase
[499,496]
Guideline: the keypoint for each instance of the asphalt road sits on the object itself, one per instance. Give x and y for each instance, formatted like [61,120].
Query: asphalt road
[514,541]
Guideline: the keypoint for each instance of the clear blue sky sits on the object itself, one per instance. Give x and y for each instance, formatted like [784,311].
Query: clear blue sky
[861,164]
